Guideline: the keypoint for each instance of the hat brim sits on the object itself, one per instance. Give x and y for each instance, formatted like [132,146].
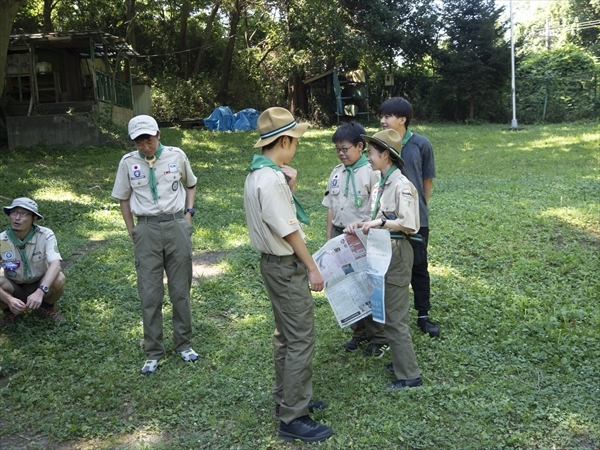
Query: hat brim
[385,145]
[137,133]
[8,209]
[296,132]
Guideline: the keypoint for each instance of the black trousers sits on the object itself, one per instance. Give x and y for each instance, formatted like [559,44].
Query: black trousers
[420,275]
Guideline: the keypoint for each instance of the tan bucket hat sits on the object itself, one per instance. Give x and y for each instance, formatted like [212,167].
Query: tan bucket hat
[388,139]
[275,122]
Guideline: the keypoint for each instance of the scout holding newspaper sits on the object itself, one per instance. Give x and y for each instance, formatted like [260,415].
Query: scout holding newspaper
[397,199]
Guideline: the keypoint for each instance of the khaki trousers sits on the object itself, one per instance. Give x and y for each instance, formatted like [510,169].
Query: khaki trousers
[367,326]
[164,247]
[397,301]
[286,281]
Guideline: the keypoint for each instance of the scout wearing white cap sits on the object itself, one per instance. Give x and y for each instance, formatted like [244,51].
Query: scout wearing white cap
[140,125]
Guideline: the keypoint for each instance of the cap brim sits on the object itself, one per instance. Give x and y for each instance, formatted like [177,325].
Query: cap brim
[8,209]
[384,145]
[296,132]
[138,133]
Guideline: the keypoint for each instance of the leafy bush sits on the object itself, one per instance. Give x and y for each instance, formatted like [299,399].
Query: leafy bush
[175,98]
[557,85]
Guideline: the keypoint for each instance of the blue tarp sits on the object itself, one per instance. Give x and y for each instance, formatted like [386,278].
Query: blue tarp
[223,119]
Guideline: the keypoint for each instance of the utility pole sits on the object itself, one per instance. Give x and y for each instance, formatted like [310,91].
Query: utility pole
[514,124]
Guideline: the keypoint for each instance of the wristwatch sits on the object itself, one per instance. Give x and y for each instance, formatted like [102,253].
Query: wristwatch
[44,288]
[192,211]
[383,221]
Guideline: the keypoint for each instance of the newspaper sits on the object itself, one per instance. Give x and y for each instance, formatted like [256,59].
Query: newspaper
[353,268]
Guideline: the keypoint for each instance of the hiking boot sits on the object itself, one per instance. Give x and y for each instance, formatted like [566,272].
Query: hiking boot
[304,429]
[427,326]
[376,350]
[189,355]
[312,406]
[151,366]
[51,314]
[400,384]
[353,344]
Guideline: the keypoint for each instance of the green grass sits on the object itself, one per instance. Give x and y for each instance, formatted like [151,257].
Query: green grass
[514,246]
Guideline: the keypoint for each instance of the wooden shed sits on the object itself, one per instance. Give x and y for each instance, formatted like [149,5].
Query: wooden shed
[67,73]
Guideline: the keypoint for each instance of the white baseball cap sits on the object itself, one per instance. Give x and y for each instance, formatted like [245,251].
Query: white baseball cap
[142,125]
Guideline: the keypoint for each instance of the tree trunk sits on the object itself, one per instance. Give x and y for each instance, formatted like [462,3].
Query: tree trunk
[297,103]
[186,8]
[130,16]
[48,7]
[234,19]
[207,36]
[8,12]
[471,105]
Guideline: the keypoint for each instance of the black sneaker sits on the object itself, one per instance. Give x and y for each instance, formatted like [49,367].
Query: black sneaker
[312,406]
[376,350]
[401,384]
[353,344]
[427,326]
[304,429]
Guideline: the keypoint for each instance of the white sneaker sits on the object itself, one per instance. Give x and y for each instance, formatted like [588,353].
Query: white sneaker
[151,365]
[189,355]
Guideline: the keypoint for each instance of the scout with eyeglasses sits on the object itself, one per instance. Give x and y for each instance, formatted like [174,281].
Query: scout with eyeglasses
[347,198]
[30,260]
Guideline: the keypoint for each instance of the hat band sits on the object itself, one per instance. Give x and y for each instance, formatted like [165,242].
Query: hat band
[292,124]
[388,147]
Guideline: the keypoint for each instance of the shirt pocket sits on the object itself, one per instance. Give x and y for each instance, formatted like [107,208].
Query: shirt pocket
[139,183]
[172,176]
[38,263]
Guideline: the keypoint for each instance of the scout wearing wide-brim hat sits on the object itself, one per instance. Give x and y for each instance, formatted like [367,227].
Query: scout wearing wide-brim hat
[389,140]
[276,122]
[25,203]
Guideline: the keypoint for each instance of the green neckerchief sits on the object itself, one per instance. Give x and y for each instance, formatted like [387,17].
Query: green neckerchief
[362,161]
[260,161]
[20,244]
[406,137]
[380,191]
[151,162]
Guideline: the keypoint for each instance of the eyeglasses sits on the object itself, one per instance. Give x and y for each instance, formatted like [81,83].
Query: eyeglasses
[342,150]
[19,213]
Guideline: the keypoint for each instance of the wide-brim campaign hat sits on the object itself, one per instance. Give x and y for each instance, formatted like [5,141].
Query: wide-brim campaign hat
[275,122]
[25,203]
[142,124]
[388,139]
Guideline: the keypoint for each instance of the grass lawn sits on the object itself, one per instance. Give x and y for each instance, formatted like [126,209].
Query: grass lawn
[514,260]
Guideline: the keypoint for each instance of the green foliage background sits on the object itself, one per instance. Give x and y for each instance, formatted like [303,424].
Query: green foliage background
[515,238]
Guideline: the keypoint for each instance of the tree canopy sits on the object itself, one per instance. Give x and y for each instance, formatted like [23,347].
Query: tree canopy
[450,58]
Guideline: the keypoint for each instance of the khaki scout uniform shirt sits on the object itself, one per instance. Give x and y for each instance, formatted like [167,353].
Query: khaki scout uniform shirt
[344,208]
[270,211]
[173,173]
[41,250]
[401,199]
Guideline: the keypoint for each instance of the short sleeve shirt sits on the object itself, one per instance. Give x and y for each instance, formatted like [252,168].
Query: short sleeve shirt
[344,204]
[270,211]
[41,250]
[400,199]
[173,174]
[419,165]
